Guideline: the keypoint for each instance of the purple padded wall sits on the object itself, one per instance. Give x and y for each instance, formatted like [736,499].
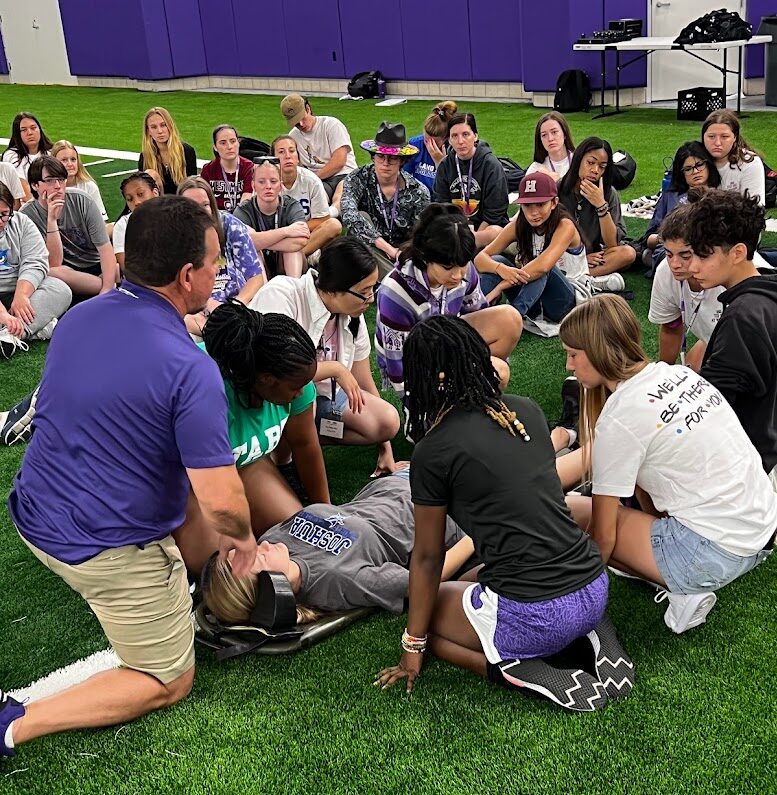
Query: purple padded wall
[314,38]
[90,52]
[495,40]
[371,44]
[545,52]
[160,59]
[3,62]
[184,33]
[218,35]
[260,31]
[636,74]
[428,54]
[754,56]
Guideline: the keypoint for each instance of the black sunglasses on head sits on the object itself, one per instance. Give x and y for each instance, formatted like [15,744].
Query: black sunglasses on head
[272,160]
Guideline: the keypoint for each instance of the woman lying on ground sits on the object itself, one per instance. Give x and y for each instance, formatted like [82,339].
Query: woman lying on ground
[337,557]
[268,363]
[486,460]
[709,511]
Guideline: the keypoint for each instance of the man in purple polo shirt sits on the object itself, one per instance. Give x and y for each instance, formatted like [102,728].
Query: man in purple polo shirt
[131,415]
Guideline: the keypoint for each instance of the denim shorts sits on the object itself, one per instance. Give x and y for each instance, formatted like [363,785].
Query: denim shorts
[690,563]
[328,409]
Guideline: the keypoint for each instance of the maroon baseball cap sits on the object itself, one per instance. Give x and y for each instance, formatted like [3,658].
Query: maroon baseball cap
[536,188]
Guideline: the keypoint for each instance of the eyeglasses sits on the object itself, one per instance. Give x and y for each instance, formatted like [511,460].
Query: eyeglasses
[54,180]
[364,298]
[694,168]
[388,158]
[5,216]
[273,161]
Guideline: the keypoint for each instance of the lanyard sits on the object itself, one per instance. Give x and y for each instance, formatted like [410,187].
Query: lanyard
[231,190]
[687,326]
[382,204]
[465,194]
[550,162]
[322,346]
[260,217]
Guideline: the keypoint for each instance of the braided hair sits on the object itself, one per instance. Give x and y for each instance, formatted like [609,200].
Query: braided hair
[245,343]
[448,364]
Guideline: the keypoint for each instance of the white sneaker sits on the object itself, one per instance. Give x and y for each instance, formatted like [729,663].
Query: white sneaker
[611,283]
[314,258]
[333,211]
[46,332]
[686,611]
[10,344]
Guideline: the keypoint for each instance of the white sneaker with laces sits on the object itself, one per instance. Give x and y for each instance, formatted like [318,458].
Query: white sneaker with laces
[10,344]
[46,332]
[611,283]
[686,611]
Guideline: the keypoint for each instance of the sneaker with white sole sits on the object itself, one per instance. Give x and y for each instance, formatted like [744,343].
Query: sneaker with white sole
[571,688]
[611,283]
[686,611]
[10,344]
[46,332]
[10,710]
[613,666]
[17,425]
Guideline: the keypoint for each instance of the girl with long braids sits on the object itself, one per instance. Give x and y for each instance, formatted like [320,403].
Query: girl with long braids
[486,460]
[268,363]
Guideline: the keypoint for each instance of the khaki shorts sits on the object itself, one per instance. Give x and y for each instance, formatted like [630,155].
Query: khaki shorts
[141,599]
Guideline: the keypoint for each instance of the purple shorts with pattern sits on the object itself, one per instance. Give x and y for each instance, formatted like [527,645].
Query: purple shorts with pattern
[510,630]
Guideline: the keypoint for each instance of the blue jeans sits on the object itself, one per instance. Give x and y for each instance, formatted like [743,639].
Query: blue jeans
[551,294]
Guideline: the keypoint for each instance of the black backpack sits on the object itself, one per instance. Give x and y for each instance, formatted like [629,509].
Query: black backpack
[252,147]
[573,91]
[364,84]
[770,177]
[624,169]
[513,172]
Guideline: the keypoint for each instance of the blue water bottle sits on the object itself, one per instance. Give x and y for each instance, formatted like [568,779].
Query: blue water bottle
[667,174]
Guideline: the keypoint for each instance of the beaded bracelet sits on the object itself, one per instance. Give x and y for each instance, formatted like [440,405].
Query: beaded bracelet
[412,644]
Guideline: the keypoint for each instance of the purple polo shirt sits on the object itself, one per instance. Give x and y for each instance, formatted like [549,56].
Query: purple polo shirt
[127,403]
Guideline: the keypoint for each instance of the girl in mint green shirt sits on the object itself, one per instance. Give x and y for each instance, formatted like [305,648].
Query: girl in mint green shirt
[268,362]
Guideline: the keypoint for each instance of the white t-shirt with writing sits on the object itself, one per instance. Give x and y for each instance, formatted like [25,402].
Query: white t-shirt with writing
[670,432]
[309,191]
[671,299]
[743,177]
[316,147]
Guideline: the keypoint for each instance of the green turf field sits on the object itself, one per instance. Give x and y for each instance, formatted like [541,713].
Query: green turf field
[701,719]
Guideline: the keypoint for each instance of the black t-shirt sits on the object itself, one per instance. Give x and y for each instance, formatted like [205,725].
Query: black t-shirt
[169,184]
[506,493]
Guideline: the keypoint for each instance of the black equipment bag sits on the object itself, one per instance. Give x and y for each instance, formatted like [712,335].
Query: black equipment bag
[720,25]
[364,84]
[624,169]
[513,172]
[573,91]
[252,147]
[771,186]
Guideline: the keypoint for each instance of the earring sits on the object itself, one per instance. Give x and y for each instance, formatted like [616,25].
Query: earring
[441,381]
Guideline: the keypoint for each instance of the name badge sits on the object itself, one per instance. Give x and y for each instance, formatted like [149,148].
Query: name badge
[332,428]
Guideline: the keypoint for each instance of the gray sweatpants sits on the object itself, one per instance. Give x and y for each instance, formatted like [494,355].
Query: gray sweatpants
[50,300]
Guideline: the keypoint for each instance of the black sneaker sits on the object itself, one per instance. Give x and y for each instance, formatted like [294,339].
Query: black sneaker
[18,422]
[10,710]
[570,408]
[571,688]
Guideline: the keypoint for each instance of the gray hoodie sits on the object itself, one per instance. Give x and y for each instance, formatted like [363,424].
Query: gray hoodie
[23,254]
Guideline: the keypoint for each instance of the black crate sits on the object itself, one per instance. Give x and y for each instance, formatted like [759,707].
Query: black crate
[695,104]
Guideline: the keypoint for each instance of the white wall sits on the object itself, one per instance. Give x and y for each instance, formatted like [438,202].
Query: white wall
[34,42]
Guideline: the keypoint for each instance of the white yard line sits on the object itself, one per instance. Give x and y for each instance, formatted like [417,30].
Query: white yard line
[118,173]
[70,675]
[99,162]
[113,154]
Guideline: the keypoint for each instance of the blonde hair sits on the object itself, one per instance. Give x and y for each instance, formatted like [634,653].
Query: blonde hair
[231,599]
[199,182]
[152,158]
[608,332]
[82,175]
[436,123]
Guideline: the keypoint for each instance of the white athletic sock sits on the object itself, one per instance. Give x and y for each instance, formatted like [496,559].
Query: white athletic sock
[572,436]
[8,739]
